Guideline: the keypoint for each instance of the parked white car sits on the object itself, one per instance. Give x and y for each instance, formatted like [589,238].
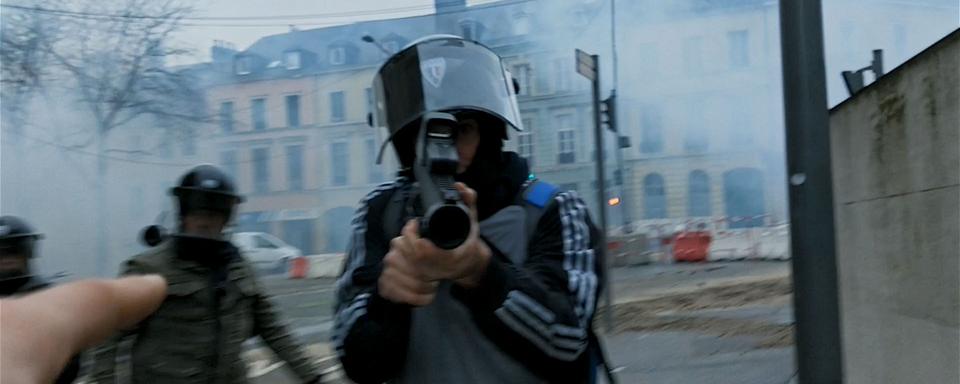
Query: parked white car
[265,251]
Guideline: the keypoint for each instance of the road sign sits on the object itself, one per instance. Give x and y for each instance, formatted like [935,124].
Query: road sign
[586,58]
[587,72]
[586,65]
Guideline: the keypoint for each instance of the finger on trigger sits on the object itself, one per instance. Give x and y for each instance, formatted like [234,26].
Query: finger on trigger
[411,230]
[467,194]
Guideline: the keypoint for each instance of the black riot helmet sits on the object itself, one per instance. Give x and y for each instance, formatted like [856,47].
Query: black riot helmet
[17,237]
[206,187]
[441,73]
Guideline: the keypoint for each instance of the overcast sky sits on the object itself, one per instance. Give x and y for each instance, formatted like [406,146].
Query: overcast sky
[198,35]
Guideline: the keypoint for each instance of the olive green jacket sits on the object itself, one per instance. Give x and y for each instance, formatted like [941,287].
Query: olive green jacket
[189,340]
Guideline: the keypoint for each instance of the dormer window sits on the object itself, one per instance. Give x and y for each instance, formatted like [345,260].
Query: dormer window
[291,60]
[391,46]
[337,55]
[469,29]
[243,65]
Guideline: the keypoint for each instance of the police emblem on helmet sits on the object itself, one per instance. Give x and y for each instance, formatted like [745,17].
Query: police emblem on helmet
[210,183]
[433,70]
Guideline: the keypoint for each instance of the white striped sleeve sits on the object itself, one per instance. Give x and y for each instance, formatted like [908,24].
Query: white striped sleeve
[351,306]
[537,323]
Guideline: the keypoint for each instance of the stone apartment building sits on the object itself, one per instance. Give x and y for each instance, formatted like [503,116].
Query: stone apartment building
[699,96]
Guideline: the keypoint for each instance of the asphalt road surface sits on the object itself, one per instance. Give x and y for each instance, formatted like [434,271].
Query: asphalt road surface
[665,354]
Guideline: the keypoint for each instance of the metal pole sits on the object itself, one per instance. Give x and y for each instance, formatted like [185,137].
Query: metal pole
[625,218]
[816,304]
[601,193]
[613,41]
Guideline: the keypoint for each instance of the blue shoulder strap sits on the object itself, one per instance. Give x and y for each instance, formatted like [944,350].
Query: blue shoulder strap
[534,199]
[539,193]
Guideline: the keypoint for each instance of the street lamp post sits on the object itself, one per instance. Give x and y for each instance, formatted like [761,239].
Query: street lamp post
[371,40]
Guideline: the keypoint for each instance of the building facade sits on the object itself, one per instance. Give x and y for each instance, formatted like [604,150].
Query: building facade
[699,99]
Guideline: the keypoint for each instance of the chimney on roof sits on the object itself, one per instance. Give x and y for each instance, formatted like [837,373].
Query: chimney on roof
[222,54]
[444,6]
[446,14]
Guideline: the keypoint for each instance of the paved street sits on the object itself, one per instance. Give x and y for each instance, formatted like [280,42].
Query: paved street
[694,328]
[306,304]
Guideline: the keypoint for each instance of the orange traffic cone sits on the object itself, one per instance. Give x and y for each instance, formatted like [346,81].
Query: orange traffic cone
[298,268]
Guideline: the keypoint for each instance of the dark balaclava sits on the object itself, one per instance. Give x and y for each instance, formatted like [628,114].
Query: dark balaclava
[496,175]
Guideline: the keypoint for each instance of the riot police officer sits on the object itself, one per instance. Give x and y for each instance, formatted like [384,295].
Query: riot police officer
[214,302]
[18,243]
[514,301]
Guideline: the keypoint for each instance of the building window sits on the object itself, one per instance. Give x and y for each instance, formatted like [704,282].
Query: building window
[698,195]
[337,113]
[374,170]
[258,109]
[339,161]
[651,130]
[739,48]
[525,146]
[525,141]
[291,60]
[563,71]
[295,167]
[522,73]
[368,93]
[696,135]
[261,170]
[654,197]
[565,138]
[693,55]
[243,65]
[337,55]
[293,111]
[226,117]
[228,161]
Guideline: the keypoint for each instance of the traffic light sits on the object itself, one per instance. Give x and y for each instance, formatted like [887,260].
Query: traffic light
[614,201]
[608,112]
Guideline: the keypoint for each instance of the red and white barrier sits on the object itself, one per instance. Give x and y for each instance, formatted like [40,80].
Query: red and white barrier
[725,241]
[316,266]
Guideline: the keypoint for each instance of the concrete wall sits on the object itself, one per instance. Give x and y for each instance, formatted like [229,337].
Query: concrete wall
[896,173]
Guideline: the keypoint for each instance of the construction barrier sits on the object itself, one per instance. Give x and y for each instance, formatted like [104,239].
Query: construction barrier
[316,266]
[716,239]
[629,249]
[691,246]
[764,243]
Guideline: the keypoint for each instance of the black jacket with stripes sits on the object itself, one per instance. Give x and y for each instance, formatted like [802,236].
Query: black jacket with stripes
[538,312]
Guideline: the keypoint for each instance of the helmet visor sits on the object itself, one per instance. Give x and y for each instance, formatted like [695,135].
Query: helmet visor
[448,75]
[19,246]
